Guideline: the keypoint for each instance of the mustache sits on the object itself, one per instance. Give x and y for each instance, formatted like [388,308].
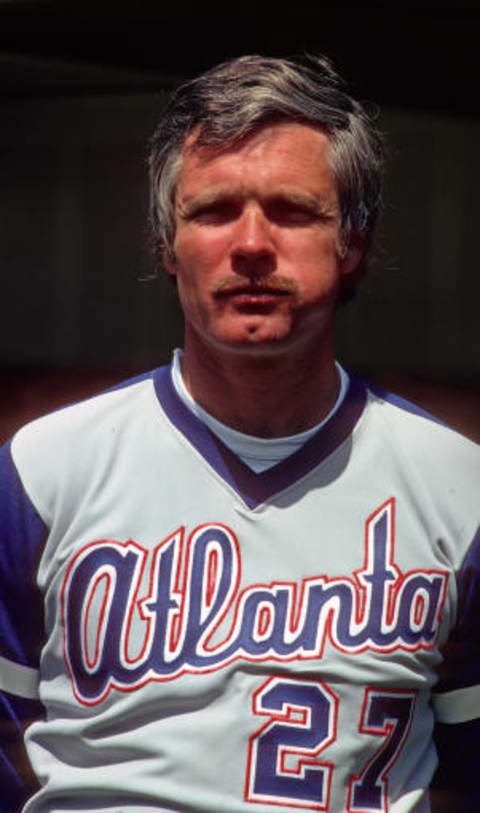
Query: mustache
[243,284]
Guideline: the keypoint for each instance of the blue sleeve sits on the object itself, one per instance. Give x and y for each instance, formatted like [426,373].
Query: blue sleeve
[457,699]
[17,780]
[22,535]
[455,786]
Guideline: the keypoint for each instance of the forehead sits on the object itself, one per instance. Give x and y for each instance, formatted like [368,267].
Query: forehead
[289,154]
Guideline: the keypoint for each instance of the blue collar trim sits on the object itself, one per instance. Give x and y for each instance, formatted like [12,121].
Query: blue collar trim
[255,488]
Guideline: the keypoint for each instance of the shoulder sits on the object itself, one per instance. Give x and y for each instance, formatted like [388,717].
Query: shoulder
[433,466]
[66,445]
[73,424]
[415,428]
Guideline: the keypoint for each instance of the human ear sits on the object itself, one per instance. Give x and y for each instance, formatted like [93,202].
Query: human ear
[352,257]
[169,262]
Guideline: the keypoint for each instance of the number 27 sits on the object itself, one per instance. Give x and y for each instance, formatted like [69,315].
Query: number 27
[283,765]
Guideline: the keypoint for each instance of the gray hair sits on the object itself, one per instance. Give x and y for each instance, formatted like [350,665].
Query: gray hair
[236,98]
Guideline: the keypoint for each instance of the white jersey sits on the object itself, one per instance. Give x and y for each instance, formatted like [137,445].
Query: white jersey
[193,636]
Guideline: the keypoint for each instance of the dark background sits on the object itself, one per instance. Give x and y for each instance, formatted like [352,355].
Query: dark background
[81,88]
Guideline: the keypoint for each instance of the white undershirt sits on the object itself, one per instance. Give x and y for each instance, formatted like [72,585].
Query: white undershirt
[257,453]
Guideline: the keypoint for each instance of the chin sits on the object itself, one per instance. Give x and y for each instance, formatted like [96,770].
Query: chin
[258,343]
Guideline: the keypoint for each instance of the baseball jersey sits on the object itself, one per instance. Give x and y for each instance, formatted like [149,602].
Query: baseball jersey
[181,633]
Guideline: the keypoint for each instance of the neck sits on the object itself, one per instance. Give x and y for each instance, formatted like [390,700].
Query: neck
[265,396]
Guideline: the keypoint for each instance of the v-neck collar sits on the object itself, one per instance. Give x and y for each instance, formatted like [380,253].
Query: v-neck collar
[255,488]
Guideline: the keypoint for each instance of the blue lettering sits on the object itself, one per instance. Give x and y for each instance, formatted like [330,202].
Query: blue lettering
[190,596]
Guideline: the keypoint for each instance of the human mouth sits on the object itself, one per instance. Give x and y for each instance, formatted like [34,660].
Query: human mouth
[252,299]
[253,291]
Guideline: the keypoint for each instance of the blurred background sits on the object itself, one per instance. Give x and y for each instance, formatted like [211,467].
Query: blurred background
[81,88]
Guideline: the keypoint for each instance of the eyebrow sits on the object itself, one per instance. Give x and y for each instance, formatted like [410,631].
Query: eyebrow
[192,203]
[189,204]
[317,204]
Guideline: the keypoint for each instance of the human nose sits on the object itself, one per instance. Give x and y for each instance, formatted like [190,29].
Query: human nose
[253,252]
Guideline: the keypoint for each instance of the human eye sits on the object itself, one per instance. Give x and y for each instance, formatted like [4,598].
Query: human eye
[293,213]
[214,213]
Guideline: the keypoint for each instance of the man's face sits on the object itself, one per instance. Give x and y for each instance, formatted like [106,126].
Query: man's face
[257,248]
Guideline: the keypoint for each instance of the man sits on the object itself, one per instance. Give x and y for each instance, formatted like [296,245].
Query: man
[235,584]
